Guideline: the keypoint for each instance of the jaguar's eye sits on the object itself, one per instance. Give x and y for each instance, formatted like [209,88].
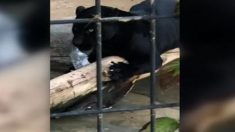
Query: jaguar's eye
[91,30]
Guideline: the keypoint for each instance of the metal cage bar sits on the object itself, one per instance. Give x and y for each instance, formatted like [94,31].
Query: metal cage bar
[99,66]
[109,19]
[98,20]
[153,65]
[78,113]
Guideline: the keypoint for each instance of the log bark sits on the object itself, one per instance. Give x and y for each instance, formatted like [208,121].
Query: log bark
[67,89]
[72,86]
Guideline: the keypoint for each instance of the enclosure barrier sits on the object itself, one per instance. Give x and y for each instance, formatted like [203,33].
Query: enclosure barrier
[98,20]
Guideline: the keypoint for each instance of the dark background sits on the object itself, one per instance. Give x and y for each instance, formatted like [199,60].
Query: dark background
[207,53]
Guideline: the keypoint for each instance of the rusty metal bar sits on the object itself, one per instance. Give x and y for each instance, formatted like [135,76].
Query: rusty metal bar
[99,66]
[79,113]
[109,19]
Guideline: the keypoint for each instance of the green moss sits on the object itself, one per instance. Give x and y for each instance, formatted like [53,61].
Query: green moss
[173,67]
[165,124]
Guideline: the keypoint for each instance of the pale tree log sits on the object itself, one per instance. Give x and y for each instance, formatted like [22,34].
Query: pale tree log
[76,84]
[70,87]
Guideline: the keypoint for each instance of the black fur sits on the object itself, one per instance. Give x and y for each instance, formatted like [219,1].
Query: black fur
[130,40]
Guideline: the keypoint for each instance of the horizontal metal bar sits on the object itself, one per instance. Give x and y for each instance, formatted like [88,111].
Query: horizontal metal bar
[108,19]
[78,113]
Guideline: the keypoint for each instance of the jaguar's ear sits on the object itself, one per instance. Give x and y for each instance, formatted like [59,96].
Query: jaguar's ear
[79,9]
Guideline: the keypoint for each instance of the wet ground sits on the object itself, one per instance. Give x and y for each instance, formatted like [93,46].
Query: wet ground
[114,122]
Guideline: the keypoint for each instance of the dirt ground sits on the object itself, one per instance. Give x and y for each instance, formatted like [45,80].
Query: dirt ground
[65,8]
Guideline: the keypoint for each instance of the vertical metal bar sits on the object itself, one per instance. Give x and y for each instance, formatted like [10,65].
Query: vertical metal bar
[99,66]
[153,64]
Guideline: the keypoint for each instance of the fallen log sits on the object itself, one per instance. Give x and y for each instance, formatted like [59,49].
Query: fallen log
[76,84]
[67,89]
